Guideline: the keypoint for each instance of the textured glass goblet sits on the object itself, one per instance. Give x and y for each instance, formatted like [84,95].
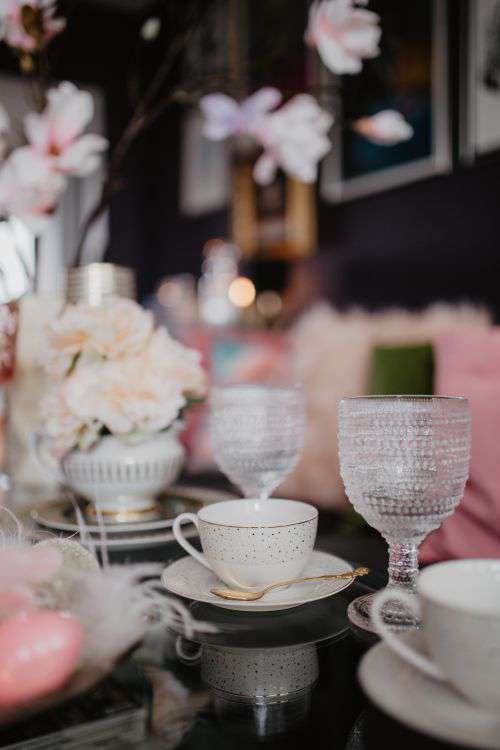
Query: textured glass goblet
[257,434]
[404,461]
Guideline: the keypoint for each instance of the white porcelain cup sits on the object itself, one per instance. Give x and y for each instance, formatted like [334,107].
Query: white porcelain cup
[252,543]
[459,604]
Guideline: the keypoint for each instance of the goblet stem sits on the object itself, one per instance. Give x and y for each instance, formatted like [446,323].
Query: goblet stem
[403,564]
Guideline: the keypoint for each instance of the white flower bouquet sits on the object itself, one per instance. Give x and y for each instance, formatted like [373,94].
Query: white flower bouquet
[115,374]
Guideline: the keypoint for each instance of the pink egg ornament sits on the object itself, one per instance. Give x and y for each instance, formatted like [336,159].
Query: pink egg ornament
[39,650]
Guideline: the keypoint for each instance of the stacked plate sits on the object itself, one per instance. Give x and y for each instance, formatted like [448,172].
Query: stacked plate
[60,516]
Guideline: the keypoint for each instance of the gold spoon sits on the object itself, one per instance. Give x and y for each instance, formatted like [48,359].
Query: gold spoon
[252,596]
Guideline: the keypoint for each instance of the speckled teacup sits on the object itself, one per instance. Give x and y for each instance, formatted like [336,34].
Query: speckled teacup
[252,543]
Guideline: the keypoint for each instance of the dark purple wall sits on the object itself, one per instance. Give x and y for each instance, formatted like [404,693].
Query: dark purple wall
[433,240]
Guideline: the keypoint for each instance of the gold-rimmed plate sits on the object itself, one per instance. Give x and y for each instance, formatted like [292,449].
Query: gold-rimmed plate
[60,514]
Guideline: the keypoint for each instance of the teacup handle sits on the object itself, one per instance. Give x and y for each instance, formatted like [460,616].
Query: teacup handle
[35,442]
[192,518]
[399,647]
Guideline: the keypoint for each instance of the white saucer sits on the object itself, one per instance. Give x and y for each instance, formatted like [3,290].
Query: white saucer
[424,704]
[187,578]
[120,542]
[59,514]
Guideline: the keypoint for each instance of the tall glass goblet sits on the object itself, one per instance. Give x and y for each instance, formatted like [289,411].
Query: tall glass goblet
[257,434]
[404,461]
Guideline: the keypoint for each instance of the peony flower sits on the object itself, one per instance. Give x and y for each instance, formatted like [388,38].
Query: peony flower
[29,25]
[343,34]
[29,189]
[117,328]
[294,138]
[57,132]
[225,117]
[62,428]
[175,363]
[123,397]
[114,374]
[386,128]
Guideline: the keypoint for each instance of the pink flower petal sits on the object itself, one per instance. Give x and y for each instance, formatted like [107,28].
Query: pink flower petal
[69,111]
[386,128]
[265,169]
[37,129]
[82,156]
[261,102]
[221,116]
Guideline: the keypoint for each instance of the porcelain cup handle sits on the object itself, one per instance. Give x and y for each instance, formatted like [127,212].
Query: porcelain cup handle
[184,656]
[192,518]
[402,649]
[35,445]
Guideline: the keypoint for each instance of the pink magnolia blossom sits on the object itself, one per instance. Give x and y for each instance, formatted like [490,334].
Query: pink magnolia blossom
[56,133]
[386,128]
[17,35]
[29,188]
[343,34]
[225,117]
[294,138]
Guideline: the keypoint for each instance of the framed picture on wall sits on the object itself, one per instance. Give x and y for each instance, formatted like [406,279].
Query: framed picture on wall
[480,81]
[410,75]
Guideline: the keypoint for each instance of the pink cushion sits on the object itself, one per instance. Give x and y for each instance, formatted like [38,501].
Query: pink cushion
[468,364]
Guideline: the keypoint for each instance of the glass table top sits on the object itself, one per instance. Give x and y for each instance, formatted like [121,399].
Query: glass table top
[286,679]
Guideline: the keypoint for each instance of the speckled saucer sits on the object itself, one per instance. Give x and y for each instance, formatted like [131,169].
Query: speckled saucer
[187,578]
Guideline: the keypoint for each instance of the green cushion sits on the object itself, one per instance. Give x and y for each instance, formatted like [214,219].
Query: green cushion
[402,370]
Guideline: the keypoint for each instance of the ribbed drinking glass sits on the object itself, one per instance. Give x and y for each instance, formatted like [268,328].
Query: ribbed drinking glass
[404,461]
[257,434]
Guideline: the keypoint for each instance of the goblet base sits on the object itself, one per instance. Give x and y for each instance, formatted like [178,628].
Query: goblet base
[394,615]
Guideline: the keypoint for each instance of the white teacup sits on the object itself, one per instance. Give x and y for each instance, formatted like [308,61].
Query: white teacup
[252,543]
[459,603]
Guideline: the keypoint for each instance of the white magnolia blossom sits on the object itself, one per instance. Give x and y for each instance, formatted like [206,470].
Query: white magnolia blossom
[29,188]
[386,128]
[225,117]
[57,132]
[294,138]
[343,34]
[122,397]
[117,328]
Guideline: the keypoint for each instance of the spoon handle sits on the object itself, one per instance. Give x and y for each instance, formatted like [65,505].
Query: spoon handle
[334,576]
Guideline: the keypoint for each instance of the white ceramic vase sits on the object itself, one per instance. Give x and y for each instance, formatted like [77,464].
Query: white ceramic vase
[123,479]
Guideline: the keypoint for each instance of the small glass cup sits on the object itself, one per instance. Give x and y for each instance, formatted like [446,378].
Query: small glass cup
[404,461]
[257,433]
